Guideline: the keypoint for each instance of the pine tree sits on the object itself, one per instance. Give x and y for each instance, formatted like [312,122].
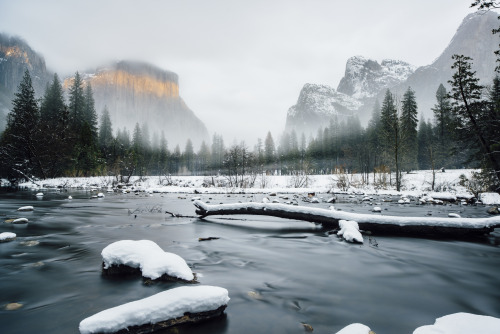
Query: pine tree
[409,124]
[89,112]
[106,135]
[77,103]
[444,127]
[188,156]
[471,111]
[390,135]
[20,141]
[269,149]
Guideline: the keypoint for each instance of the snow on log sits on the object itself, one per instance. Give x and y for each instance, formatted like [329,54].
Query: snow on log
[129,256]
[349,230]
[462,323]
[165,309]
[432,226]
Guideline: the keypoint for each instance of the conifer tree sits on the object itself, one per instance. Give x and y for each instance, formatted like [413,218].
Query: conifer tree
[106,135]
[390,134]
[471,112]
[269,149]
[20,146]
[409,124]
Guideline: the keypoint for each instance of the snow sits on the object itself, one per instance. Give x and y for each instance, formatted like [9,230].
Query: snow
[165,305]
[7,236]
[26,208]
[416,184]
[147,256]
[490,198]
[20,221]
[462,323]
[457,323]
[349,230]
[363,218]
[355,329]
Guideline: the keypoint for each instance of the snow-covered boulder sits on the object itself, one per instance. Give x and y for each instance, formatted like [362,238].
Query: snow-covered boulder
[349,230]
[164,309]
[377,209]
[355,329]
[7,236]
[489,198]
[454,215]
[146,256]
[462,323]
[26,208]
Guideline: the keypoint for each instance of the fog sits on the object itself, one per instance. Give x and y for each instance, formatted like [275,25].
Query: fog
[241,65]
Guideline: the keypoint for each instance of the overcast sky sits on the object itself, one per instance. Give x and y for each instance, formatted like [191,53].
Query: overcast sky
[241,64]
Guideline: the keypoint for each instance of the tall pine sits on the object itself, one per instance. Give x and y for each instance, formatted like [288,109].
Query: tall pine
[409,124]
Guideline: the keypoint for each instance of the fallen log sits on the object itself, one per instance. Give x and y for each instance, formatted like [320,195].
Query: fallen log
[426,226]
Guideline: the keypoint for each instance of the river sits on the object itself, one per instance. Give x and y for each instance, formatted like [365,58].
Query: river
[280,274]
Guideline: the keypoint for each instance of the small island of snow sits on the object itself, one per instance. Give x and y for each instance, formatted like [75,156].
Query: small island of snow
[7,236]
[147,256]
[167,308]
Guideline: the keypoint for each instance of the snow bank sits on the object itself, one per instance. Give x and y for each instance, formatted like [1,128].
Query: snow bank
[163,306]
[148,256]
[7,236]
[415,184]
[349,230]
[490,198]
[462,323]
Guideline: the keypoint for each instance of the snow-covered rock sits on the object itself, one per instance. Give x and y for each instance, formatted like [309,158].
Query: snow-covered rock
[355,329]
[163,306]
[377,209]
[366,77]
[489,198]
[7,236]
[454,215]
[148,257]
[462,323]
[349,230]
[26,208]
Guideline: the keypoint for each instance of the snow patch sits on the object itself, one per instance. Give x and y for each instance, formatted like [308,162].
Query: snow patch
[349,230]
[462,323]
[490,198]
[355,329]
[163,306]
[147,256]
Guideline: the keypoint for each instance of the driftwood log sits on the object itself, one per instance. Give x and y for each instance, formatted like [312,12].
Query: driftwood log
[409,226]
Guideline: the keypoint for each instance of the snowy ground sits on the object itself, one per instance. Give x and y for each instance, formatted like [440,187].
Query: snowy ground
[414,184]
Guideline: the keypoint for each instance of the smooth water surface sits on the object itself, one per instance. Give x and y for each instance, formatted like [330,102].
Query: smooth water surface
[280,274]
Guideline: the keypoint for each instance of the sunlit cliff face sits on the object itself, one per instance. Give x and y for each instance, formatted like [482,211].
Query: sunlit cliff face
[139,84]
[14,51]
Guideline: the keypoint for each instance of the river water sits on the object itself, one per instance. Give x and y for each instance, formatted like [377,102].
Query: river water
[280,274]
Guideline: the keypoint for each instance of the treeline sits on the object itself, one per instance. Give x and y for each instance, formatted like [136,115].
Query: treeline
[50,138]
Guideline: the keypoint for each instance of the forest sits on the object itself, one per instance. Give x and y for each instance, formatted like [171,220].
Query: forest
[52,137]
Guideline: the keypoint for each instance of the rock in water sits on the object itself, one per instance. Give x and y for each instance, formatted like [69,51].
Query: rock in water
[166,309]
[493,210]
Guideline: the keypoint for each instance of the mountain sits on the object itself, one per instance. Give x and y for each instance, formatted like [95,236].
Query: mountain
[133,92]
[316,105]
[15,57]
[136,92]
[366,77]
[365,80]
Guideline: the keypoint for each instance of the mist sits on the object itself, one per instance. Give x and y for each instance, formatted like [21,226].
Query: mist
[240,65]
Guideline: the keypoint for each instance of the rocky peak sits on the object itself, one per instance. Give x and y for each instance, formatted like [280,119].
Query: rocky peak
[366,77]
[316,105]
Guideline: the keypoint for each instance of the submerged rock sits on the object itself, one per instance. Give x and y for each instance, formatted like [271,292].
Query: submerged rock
[493,210]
